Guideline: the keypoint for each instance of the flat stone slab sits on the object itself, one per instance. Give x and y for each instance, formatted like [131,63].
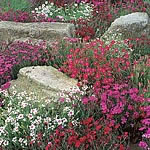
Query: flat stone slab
[48,31]
[44,81]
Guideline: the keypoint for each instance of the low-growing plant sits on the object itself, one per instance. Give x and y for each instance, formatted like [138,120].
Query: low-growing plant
[7,5]
[140,77]
[60,50]
[18,55]
[109,110]
[96,64]
[104,13]
[140,46]
[27,122]
[113,118]
[25,17]
[66,13]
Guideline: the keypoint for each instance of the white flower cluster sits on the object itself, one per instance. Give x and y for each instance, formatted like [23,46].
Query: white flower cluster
[24,116]
[73,12]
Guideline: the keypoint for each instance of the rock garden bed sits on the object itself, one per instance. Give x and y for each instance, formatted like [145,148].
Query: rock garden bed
[80,83]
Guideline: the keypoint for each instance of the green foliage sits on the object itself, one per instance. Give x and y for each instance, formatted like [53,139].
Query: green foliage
[24,117]
[147,1]
[60,50]
[23,5]
[141,75]
[67,13]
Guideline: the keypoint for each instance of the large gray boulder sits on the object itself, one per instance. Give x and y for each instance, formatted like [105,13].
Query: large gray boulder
[48,31]
[128,26]
[44,81]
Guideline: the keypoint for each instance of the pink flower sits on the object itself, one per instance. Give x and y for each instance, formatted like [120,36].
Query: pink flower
[123,120]
[5,86]
[78,1]
[132,1]
[133,91]
[143,144]
[85,100]
[95,2]
[92,98]
[146,121]
[62,99]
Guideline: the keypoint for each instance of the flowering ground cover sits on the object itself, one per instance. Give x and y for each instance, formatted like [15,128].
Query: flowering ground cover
[110,107]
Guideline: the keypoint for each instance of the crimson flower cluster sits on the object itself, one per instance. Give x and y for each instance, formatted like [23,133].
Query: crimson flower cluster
[96,64]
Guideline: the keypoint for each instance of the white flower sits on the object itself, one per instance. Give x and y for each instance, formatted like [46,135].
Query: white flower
[20,140]
[9,119]
[59,121]
[9,109]
[5,143]
[71,113]
[39,118]
[34,111]
[1,141]
[36,9]
[67,108]
[25,142]
[15,129]
[16,124]
[14,139]
[46,15]
[64,120]
[50,13]
[32,127]
[2,129]
[46,2]
[47,119]
[30,116]
[14,92]
[47,8]
[43,5]
[32,134]
[68,99]
[60,17]
[75,4]
[5,93]
[52,4]
[20,116]
[52,127]
[24,104]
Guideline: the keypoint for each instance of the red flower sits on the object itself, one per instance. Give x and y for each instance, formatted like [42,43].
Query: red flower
[117,126]
[98,127]
[107,130]
[39,144]
[72,140]
[57,141]
[31,142]
[39,136]
[77,144]
[87,121]
[122,147]
[82,139]
[48,146]
[86,38]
